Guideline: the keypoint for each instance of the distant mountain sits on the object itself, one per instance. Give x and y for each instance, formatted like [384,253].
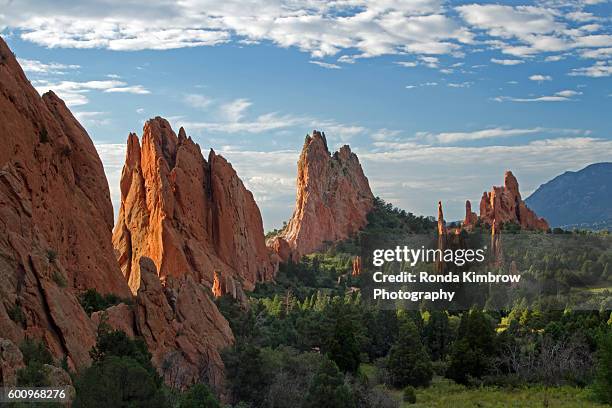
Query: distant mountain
[576,199]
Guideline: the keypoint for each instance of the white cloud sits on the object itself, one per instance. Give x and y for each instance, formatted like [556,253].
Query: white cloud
[492,133]
[75,93]
[561,96]
[506,61]
[234,110]
[540,78]
[318,27]
[325,65]
[598,53]
[598,70]
[134,89]
[38,67]
[466,84]
[198,101]
[406,64]
[524,31]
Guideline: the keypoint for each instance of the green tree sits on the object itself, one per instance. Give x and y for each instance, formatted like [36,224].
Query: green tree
[117,382]
[603,376]
[472,351]
[437,335]
[328,389]
[408,362]
[198,396]
[245,373]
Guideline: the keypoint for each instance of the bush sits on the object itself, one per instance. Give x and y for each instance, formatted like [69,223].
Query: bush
[116,343]
[16,314]
[43,136]
[409,394]
[51,255]
[198,396]
[35,355]
[328,389]
[92,301]
[117,382]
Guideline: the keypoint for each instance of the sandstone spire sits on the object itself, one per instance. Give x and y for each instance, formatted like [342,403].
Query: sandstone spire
[504,205]
[332,203]
[189,215]
[55,234]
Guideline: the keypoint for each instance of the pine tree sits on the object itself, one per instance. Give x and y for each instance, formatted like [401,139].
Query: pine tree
[408,362]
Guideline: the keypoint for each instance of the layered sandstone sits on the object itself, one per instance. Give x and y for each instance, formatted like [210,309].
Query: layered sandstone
[332,203]
[182,327]
[190,215]
[504,205]
[56,219]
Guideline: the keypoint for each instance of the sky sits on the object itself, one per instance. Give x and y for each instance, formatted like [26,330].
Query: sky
[437,98]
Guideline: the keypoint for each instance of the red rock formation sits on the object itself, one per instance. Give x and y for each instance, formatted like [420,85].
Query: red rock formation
[471,218]
[442,239]
[182,327]
[190,216]
[118,317]
[56,218]
[356,266]
[504,205]
[333,199]
[11,361]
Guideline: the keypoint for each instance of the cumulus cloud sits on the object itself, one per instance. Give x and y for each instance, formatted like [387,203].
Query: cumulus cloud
[321,28]
[524,31]
[598,70]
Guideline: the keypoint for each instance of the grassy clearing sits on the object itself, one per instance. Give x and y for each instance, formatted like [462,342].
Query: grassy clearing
[444,393]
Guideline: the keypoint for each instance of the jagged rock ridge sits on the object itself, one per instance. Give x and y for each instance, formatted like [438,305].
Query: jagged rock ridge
[332,202]
[504,205]
[56,219]
[189,215]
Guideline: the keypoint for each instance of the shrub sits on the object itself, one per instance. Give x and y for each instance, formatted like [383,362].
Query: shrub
[198,396]
[51,255]
[92,301]
[117,382]
[43,135]
[35,355]
[409,394]
[16,314]
[328,389]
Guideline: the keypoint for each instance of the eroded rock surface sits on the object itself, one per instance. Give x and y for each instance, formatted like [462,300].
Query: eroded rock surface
[56,219]
[191,216]
[332,203]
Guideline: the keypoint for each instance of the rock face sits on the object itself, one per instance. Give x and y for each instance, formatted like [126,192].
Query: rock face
[357,266]
[190,216]
[440,265]
[471,218]
[504,205]
[333,200]
[11,361]
[182,327]
[56,218]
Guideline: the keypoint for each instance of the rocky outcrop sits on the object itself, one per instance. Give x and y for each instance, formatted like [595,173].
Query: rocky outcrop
[118,317]
[471,218]
[55,220]
[189,215]
[504,205]
[182,327]
[440,265]
[11,361]
[332,203]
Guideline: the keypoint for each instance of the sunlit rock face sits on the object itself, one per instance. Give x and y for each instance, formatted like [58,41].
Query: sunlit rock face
[55,220]
[332,203]
[190,215]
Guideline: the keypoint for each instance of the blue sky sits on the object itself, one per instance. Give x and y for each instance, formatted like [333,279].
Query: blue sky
[437,98]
